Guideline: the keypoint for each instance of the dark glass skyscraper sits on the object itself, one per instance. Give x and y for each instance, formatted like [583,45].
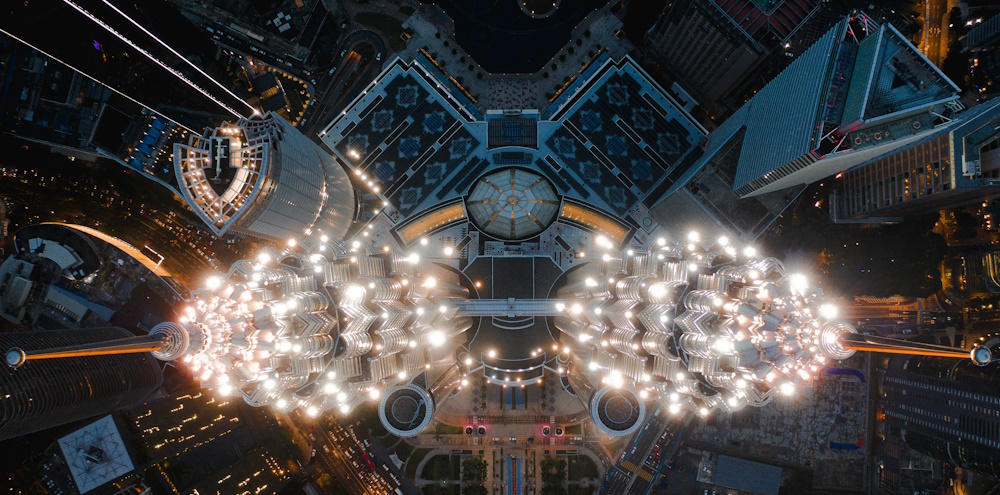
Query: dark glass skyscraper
[46,393]
[945,408]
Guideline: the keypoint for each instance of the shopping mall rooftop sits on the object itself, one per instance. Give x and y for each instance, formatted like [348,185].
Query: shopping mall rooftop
[609,140]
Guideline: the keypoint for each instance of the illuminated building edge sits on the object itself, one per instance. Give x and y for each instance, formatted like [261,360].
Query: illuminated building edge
[695,326]
[315,327]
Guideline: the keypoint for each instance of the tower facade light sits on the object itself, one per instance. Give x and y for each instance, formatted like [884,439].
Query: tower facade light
[699,326]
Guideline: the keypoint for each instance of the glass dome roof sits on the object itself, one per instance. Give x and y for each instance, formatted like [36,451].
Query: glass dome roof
[512,203]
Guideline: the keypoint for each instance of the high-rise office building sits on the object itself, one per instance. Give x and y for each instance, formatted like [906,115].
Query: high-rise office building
[983,44]
[48,393]
[861,92]
[263,177]
[947,409]
[957,164]
[710,46]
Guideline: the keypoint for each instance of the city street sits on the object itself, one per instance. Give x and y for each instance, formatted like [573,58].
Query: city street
[346,82]
[936,30]
[640,465]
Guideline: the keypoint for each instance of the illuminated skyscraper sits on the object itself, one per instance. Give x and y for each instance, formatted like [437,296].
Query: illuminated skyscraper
[316,327]
[859,93]
[263,177]
[946,409]
[957,164]
[700,327]
[53,392]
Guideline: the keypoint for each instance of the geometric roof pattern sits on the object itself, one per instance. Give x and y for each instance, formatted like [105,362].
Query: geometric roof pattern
[860,86]
[95,454]
[897,78]
[512,204]
[609,139]
[769,22]
[622,138]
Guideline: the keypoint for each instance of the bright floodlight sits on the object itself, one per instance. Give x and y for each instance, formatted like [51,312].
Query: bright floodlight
[213,283]
[277,327]
[828,311]
[436,338]
[798,282]
[657,290]
[787,388]
[730,329]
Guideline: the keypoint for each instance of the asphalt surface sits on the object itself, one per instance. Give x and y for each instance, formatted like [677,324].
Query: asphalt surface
[337,451]
[383,454]
[334,95]
[936,25]
[640,465]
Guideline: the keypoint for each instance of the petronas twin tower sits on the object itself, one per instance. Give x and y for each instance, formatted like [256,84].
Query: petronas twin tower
[318,326]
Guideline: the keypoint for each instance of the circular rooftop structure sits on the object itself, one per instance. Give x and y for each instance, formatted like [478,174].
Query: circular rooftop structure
[512,204]
[406,411]
[617,412]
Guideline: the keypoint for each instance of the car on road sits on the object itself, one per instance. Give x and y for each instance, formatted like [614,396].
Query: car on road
[378,56]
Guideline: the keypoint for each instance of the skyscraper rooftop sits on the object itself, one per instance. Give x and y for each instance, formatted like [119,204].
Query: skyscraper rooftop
[611,139]
[55,392]
[261,176]
[95,454]
[858,93]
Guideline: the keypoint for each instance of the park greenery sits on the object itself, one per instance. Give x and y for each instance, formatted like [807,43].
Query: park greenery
[553,476]
[474,473]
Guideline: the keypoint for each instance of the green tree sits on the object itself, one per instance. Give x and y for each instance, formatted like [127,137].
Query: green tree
[474,470]
[553,490]
[476,490]
[553,471]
